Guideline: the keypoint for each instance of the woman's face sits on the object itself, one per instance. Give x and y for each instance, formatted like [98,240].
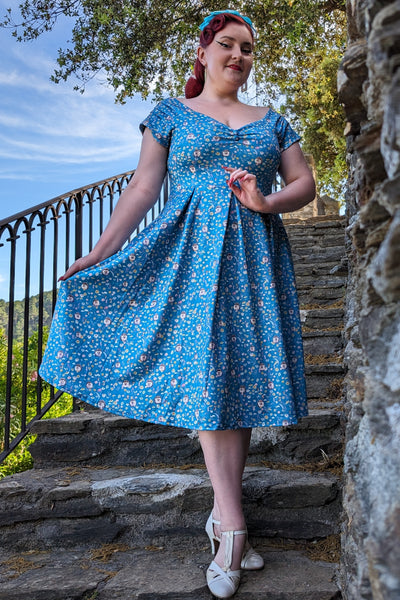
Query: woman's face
[229,57]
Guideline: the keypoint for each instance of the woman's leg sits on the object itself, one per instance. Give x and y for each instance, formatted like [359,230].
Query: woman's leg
[225,453]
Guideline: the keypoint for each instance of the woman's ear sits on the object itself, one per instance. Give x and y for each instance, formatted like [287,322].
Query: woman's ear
[201,55]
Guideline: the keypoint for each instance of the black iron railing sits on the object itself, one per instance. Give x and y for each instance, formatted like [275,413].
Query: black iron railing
[36,247]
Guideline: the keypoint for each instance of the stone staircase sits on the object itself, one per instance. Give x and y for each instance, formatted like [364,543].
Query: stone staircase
[115,509]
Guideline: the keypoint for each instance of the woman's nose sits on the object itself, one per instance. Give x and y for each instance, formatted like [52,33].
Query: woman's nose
[236,51]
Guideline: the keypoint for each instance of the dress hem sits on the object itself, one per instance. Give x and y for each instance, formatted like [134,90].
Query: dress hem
[196,427]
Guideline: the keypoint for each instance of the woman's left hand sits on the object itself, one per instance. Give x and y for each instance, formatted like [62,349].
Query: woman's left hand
[249,194]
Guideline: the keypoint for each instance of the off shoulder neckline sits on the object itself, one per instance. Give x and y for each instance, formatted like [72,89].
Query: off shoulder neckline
[196,112]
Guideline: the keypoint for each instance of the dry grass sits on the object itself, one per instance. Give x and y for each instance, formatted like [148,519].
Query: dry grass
[306,329]
[107,551]
[153,548]
[332,464]
[338,304]
[19,565]
[335,389]
[186,467]
[327,549]
[322,359]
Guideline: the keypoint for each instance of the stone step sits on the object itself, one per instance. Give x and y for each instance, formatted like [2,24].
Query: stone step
[67,508]
[323,380]
[314,295]
[308,281]
[323,318]
[325,268]
[319,222]
[320,238]
[319,342]
[318,254]
[99,438]
[120,573]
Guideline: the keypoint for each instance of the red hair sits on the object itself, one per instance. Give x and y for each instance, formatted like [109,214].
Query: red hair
[195,83]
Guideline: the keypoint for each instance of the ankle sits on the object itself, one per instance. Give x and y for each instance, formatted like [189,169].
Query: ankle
[230,552]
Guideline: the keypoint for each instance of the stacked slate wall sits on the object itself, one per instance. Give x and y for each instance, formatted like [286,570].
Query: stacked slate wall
[369,87]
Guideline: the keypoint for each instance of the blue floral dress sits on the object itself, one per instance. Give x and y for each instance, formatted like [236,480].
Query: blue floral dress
[195,323]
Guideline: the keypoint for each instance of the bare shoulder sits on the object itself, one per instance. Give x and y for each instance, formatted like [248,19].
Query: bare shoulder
[256,112]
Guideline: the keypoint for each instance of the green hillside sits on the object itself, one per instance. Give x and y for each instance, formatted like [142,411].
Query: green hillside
[19,308]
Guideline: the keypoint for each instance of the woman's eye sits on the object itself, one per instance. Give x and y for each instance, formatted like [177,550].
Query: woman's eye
[247,51]
[222,44]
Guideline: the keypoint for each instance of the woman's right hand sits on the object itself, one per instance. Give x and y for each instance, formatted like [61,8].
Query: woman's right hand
[79,265]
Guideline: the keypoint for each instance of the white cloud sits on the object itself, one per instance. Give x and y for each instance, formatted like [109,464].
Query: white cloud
[54,139]
[66,153]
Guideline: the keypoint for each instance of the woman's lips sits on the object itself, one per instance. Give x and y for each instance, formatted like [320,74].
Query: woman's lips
[234,67]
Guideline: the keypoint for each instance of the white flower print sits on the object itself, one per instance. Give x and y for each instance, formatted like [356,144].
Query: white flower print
[196,326]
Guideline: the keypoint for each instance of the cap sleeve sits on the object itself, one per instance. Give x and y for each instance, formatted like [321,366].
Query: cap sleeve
[286,135]
[160,123]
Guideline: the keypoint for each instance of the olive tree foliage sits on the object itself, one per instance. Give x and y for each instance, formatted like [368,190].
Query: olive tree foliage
[148,47]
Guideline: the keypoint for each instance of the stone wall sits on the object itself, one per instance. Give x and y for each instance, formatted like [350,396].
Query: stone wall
[369,87]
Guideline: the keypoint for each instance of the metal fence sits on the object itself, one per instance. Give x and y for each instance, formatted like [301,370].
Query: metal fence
[36,247]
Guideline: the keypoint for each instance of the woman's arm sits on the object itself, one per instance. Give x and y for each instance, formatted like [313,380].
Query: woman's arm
[135,201]
[299,187]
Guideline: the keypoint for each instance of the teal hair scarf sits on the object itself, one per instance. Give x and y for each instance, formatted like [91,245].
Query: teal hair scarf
[231,12]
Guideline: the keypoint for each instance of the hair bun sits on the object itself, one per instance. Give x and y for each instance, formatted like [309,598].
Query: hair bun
[193,87]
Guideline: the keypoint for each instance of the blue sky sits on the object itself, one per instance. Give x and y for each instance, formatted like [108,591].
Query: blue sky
[52,138]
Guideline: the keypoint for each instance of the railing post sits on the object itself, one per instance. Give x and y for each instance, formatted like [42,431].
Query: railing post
[78,225]
[10,335]
[78,239]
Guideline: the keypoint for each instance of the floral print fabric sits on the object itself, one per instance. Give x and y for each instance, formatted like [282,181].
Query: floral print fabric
[195,323]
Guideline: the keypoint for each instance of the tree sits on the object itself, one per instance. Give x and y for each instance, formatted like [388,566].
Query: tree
[148,47]
[20,459]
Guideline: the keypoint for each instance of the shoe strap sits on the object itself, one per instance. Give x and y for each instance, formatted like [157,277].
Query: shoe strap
[230,536]
[215,568]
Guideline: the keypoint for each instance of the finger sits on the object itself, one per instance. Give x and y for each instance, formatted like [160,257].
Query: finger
[232,170]
[67,274]
[74,268]
[238,174]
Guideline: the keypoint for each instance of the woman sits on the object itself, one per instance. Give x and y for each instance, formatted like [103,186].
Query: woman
[195,323]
